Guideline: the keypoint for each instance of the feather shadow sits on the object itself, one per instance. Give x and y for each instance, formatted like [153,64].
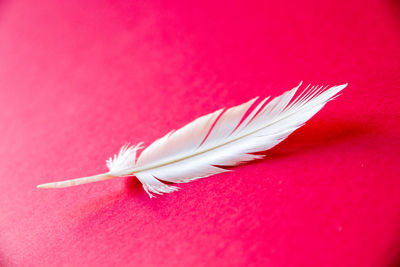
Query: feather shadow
[321,135]
[314,136]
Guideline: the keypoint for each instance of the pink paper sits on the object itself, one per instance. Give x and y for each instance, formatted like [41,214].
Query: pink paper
[79,79]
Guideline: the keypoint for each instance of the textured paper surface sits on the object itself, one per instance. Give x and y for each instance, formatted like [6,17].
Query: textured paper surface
[80,79]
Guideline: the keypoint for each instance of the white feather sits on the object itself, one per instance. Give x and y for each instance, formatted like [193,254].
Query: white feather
[223,138]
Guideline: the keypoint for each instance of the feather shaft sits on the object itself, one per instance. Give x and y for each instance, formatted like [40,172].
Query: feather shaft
[77,181]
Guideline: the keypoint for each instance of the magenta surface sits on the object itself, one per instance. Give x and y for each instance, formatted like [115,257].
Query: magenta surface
[78,79]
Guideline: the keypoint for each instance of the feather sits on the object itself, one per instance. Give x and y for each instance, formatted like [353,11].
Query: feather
[211,142]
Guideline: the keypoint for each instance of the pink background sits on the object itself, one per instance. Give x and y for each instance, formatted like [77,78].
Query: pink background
[78,79]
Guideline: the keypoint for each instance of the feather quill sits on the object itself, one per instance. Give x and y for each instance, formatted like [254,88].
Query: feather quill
[207,144]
